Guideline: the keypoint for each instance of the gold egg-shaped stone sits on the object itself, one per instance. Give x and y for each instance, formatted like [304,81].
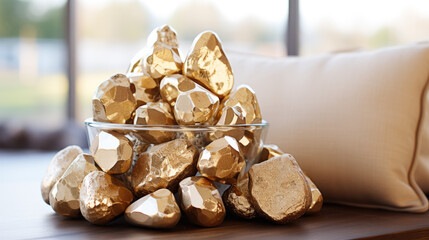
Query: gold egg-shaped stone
[221,161]
[155,210]
[64,196]
[164,166]
[59,164]
[208,65]
[102,197]
[112,151]
[155,113]
[113,100]
[245,97]
[146,89]
[201,201]
[237,199]
[278,189]
[196,106]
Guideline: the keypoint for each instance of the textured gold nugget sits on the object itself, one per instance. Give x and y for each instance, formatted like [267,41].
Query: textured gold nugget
[201,201]
[164,35]
[112,151]
[146,89]
[221,161]
[317,198]
[196,106]
[269,151]
[59,164]
[237,199]
[207,64]
[155,113]
[164,166]
[171,86]
[156,210]
[245,98]
[279,190]
[102,197]
[113,100]
[64,196]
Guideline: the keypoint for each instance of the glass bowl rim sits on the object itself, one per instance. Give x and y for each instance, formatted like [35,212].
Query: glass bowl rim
[89,122]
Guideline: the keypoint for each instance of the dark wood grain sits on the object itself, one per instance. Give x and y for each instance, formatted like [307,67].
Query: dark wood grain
[24,215]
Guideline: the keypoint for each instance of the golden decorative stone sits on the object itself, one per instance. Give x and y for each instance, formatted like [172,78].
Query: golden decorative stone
[155,113]
[155,210]
[279,190]
[201,201]
[237,199]
[171,86]
[245,98]
[269,151]
[230,116]
[207,64]
[221,161]
[164,166]
[102,197]
[317,198]
[164,35]
[59,164]
[112,151]
[146,89]
[113,100]
[64,196]
[196,106]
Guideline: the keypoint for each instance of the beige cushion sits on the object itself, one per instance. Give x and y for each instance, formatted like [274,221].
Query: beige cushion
[358,122]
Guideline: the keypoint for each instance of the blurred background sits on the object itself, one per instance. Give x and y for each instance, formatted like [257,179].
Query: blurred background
[53,53]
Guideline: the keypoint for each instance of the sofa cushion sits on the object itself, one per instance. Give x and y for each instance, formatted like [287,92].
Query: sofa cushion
[357,123]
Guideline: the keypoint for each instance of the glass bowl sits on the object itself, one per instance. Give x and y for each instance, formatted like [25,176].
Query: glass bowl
[250,137]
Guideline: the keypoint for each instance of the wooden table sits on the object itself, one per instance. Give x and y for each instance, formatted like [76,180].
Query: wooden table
[24,215]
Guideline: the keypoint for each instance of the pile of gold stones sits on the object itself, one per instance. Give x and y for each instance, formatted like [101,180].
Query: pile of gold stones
[138,173]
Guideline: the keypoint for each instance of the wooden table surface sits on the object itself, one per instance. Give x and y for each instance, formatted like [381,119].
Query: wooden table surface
[24,215]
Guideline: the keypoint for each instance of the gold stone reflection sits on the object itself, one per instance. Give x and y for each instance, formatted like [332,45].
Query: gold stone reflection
[196,106]
[269,151]
[171,86]
[113,100]
[59,164]
[155,113]
[221,160]
[155,210]
[112,151]
[164,166]
[146,88]
[201,201]
[245,98]
[64,196]
[102,197]
[207,64]
[278,189]
[237,199]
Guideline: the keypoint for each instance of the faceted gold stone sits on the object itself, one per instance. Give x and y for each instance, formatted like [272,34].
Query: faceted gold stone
[244,97]
[164,35]
[207,64]
[102,197]
[221,161]
[317,198]
[171,86]
[164,166]
[278,189]
[146,88]
[59,164]
[155,113]
[237,199]
[196,106]
[113,100]
[269,151]
[64,196]
[230,116]
[201,201]
[161,60]
[156,210]
[112,151]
